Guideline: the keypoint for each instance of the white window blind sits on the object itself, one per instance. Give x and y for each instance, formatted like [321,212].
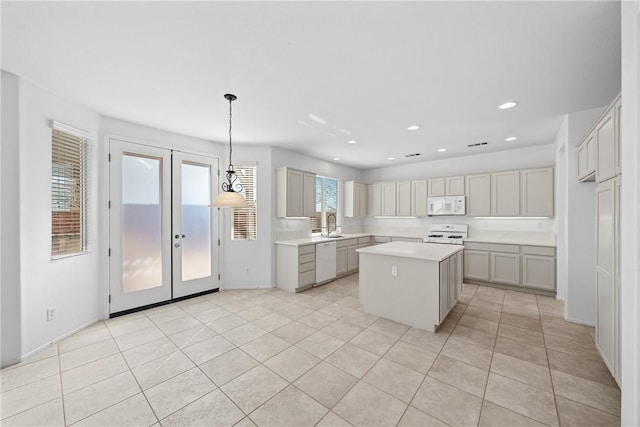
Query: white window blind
[69,172]
[326,202]
[245,220]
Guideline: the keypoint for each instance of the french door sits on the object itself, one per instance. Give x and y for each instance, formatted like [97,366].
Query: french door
[163,231]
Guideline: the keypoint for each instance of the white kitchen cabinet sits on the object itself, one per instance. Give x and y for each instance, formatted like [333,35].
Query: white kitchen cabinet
[346,256]
[341,261]
[403,198]
[478,189]
[536,193]
[444,288]
[419,198]
[450,280]
[587,158]
[296,192]
[505,268]
[617,124]
[605,144]
[476,265]
[295,267]
[605,280]
[363,200]
[454,186]
[374,207]
[532,267]
[355,199]
[436,187]
[352,258]
[448,186]
[505,193]
[388,202]
[539,272]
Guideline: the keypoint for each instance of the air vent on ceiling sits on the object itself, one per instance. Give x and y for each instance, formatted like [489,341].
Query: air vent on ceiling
[413,155]
[478,144]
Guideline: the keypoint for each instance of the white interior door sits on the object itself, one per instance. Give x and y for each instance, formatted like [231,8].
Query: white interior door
[195,224]
[163,230]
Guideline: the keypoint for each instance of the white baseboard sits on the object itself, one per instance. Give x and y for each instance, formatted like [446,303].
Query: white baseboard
[580,322]
[57,340]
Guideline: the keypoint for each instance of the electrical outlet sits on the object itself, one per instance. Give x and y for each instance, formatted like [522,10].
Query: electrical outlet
[394,270]
[51,313]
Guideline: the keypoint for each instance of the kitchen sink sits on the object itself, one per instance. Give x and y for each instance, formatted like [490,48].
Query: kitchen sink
[335,236]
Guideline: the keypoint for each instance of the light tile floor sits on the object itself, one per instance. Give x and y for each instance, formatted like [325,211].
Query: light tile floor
[267,357]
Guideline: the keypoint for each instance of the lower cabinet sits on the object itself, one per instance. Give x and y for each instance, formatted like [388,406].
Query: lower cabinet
[505,268]
[341,261]
[531,267]
[346,256]
[450,283]
[295,267]
[476,265]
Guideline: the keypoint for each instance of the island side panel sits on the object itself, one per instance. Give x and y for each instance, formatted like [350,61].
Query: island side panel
[411,297]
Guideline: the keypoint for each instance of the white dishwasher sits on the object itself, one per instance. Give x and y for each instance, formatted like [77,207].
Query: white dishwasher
[325,262]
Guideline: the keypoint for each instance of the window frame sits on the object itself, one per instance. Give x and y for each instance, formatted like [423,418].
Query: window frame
[85,142]
[253,204]
[322,215]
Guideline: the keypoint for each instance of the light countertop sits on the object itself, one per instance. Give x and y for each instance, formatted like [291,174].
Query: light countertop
[508,238]
[318,239]
[424,251]
[512,241]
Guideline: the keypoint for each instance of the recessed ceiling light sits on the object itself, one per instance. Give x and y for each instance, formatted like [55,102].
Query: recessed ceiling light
[336,158]
[353,141]
[391,158]
[414,127]
[441,150]
[511,138]
[507,105]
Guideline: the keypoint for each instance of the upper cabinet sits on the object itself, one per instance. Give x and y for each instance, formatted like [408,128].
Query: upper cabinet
[419,198]
[403,198]
[478,194]
[355,199]
[436,187]
[587,159]
[599,156]
[536,192]
[505,193]
[449,186]
[388,199]
[296,193]
[605,143]
[373,200]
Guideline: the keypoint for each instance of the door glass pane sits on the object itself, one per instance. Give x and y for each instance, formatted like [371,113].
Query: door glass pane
[196,221]
[141,222]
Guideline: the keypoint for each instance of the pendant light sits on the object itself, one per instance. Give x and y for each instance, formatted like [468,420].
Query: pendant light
[230,196]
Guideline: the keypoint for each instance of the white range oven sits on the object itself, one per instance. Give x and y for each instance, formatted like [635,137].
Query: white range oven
[452,234]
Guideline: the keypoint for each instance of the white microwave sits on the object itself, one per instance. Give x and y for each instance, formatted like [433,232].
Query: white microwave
[446,205]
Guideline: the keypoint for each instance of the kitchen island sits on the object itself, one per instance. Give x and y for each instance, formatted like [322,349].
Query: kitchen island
[412,283]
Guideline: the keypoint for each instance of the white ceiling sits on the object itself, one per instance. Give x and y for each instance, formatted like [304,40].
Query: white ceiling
[311,75]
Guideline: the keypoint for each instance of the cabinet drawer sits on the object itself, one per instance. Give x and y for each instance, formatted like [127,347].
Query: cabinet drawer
[307,278]
[306,258]
[307,266]
[364,240]
[539,250]
[307,249]
[492,247]
[347,242]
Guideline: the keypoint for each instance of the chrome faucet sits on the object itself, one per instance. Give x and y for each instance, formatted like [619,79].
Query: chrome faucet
[335,222]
